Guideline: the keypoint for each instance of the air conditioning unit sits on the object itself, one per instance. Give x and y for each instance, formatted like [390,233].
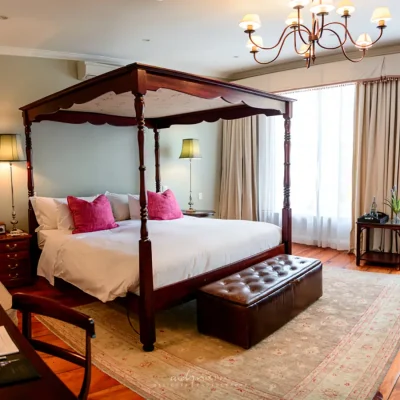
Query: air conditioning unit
[88,69]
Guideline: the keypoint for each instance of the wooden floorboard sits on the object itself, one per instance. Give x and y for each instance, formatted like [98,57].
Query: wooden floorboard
[105,387]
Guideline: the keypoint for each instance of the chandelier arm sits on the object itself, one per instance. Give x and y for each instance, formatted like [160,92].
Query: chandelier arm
[364,51]
[299,26]
[321,30]
[380,35]
[347,32]
[279,52]
[295,46]
[273,47]
[306,30]
[331,48]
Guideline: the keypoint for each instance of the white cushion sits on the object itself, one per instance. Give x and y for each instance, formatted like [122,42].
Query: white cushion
[120,206]
[65,221]
[134,206]
[46,212]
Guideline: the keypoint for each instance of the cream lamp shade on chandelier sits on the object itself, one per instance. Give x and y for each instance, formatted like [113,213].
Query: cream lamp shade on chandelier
[307,38]
[11,151]
[190,150]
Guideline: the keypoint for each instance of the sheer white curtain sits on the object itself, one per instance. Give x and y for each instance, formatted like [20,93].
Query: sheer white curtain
[321,166]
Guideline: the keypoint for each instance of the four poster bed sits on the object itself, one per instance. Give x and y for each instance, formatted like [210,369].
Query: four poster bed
[118,98]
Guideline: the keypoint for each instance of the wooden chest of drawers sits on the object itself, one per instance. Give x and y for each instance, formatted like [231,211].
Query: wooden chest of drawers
[15,266]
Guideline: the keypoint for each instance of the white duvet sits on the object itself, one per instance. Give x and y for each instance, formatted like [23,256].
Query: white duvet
[105,264]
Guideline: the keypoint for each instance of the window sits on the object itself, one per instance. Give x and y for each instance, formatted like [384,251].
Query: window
[321,166]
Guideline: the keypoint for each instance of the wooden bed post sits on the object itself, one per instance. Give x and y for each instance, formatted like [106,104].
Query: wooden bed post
[28,150]
[32,223]
[157,158]
[146,299]
[287,211]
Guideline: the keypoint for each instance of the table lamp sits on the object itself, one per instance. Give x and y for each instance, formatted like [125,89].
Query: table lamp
[11,151]
[190,150]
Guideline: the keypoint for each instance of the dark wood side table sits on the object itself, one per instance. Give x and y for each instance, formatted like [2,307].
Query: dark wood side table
[375,256]
[15,264]
[47,387]
[199,213]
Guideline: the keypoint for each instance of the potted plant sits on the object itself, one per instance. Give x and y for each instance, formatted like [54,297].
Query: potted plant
[394,204]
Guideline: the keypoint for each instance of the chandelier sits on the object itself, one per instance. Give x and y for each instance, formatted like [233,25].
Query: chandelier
[306,39]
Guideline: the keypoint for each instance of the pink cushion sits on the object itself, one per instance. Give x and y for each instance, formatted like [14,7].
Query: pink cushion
[163,206]
[91,216]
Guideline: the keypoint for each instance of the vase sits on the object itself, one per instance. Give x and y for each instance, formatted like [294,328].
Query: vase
[396,219]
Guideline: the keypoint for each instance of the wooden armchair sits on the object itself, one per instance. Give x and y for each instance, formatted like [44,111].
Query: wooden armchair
[29,304]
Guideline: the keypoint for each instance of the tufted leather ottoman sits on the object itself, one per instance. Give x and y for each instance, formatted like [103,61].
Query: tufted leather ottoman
[246,307]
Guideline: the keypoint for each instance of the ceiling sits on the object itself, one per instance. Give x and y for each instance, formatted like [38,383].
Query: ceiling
[198,36]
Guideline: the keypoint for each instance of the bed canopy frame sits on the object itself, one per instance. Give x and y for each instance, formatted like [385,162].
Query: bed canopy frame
[118,98]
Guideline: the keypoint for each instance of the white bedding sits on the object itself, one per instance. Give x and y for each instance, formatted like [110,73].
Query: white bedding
[105,264]
[43,235]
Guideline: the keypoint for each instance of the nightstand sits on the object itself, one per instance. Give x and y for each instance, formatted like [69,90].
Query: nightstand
[15,264]
[199,213]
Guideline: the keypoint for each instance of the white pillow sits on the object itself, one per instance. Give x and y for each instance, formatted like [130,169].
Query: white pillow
[65,221]
[119,205]
[134,206]
[46,212]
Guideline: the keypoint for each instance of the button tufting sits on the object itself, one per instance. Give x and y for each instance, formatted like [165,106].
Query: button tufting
[269,280]
[253,282]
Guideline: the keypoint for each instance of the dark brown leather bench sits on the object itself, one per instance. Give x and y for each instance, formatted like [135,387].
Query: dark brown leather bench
[246,307]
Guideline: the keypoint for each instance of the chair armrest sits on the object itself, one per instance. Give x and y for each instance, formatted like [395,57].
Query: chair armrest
[49,308]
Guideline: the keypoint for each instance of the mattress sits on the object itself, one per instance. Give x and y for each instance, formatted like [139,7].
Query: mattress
[105,264]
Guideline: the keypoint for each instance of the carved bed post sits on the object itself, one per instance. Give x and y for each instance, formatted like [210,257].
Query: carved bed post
[287,211]
[32,223]
[157,158]
[146,299]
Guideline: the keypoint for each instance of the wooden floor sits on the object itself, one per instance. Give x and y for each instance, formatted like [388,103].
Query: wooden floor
[105,387]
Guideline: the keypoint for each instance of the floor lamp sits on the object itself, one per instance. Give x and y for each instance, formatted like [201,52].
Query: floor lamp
[190,150]
[11,151]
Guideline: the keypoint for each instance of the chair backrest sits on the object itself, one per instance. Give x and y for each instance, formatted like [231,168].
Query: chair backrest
[28,304]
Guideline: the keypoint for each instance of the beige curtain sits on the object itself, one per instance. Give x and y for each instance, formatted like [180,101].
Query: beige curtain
[376,160]
[238,196]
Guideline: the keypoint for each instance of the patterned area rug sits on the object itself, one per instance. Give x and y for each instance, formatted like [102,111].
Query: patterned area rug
[340,348]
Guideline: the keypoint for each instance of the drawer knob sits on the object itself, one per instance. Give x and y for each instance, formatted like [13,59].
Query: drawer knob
[13,275]
[12,247]
[12,266]
[15,256]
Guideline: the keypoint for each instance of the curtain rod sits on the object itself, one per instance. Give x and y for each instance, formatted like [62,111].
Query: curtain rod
[387,78]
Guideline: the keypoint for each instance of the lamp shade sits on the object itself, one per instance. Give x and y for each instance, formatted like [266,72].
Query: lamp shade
[345,7]
[258,40]
[250,21]
[322,6]
[293,19]
[381,14]
[11,148]
[298,3]
[190,149]
[364,41]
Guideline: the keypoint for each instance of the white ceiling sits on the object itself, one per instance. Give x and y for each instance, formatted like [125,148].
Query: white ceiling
[198,36]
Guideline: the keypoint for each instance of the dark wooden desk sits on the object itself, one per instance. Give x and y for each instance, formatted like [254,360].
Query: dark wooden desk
[375,256]
[48,387]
